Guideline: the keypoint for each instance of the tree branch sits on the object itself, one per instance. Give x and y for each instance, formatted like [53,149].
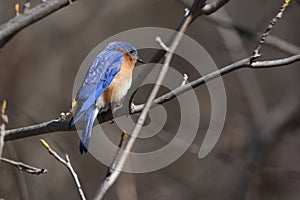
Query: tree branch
[3,122]
[22,20]
[68,165]
[272,40]
[213,75]
[213,7]
[256,52]
[24,167]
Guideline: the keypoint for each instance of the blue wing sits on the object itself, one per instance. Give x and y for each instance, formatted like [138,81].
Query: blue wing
[99,76]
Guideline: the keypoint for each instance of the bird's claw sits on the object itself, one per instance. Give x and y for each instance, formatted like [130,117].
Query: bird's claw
[64,115]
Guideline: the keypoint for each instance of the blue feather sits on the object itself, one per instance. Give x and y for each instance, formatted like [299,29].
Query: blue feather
[90,117]
[91,89]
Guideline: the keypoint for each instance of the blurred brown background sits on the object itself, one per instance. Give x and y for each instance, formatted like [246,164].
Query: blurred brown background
[257,156]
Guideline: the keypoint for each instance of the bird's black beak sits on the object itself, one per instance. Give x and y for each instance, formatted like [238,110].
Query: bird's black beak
[139,60]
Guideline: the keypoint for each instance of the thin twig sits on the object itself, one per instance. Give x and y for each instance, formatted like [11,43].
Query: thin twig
[20,176]
[3,122]
[24,167]
[120,147]
[67,163]
[250,87]
[105,184]
[256,52]
[22,20]
[161,43]
[185,78]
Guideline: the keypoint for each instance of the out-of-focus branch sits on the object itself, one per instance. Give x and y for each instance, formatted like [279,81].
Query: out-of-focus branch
[22,20]
[3,122]
[213,7]
[67,163]
[120,159]
[272,40]
[24,167]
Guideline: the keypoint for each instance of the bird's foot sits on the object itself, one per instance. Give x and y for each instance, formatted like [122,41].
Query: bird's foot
[64,115]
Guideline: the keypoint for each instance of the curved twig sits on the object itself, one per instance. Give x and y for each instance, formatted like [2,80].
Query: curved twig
[67,163]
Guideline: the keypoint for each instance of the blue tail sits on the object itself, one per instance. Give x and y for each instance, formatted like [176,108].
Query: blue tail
[89,119]
[82,108]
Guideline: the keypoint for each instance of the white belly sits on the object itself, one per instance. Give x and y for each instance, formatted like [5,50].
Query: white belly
[121,89]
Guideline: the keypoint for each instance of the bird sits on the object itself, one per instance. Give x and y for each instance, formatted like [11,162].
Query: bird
[106,83]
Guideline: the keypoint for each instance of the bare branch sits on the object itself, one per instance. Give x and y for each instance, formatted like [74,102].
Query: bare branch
[38,129]
[68,165]
[3,122]
[235,66]
[213,7]
[271,40]
[185,78]
[256,52]
[105,185]
[276,63]
[22,20]
[161,43]
[24,167]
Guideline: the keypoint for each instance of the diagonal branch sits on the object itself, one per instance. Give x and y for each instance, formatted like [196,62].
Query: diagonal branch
[245,63]
[213,7]
[67,163]
[22,20]
[256,52]
[272,40]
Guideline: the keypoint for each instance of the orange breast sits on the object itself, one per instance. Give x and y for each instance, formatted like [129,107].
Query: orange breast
[121,83]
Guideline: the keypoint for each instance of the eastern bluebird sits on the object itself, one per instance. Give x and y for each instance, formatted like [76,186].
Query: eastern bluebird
[106,82]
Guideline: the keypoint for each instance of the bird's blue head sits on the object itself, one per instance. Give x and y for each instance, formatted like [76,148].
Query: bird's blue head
[124,47]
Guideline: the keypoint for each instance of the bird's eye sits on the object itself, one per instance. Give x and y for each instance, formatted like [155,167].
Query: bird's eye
[131,51]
